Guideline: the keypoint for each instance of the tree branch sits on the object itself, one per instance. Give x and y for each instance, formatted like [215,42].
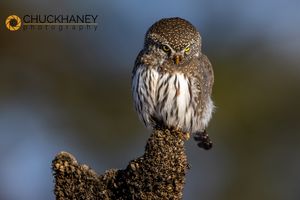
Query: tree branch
[158,174]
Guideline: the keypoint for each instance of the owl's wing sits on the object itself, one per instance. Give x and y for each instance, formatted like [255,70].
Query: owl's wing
[206,70]
[205,82]
[137,62]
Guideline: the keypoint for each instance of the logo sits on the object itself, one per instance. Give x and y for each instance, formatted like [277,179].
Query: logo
[13,22]
[52,22]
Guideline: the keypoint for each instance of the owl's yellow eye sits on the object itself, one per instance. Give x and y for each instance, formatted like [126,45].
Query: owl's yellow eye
[165,48]
[187,49]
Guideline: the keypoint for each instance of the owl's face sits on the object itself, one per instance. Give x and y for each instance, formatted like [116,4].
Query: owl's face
[173,40]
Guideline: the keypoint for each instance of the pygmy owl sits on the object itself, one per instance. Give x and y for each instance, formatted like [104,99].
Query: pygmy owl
[172,80]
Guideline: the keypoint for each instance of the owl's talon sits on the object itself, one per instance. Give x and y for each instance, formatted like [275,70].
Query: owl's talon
[178,131]
[186,135]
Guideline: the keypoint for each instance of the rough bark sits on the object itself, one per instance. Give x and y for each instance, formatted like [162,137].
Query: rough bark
[158,174]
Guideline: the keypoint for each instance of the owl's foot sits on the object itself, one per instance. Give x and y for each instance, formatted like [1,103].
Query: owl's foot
[203,140]
[185,135]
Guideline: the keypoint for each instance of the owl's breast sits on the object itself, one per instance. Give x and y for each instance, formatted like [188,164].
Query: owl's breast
[172,93]
[168,98]
[174,101]
[178,102]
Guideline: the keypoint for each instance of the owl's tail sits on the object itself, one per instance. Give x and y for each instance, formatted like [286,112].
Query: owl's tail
[203,140]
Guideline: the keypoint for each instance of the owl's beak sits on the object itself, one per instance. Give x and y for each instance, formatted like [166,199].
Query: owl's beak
[177,59]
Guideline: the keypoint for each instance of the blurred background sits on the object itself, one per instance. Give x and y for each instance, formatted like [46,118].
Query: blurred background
[70,91]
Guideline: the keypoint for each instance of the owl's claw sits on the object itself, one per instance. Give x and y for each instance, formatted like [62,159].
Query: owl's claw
[203,140]
[186,135]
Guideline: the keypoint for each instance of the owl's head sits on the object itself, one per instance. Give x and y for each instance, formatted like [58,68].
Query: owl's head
[176,39]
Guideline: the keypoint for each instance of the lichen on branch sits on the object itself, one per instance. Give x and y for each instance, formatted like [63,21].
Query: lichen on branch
[158,174]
